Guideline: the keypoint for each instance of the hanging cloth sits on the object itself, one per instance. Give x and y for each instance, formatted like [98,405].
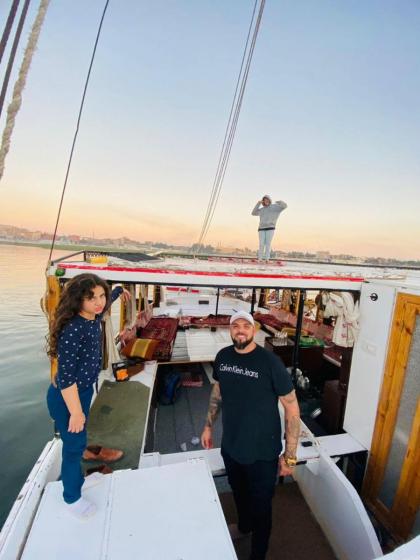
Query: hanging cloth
[341,305]
[131,307]
[112,353]
[130,328]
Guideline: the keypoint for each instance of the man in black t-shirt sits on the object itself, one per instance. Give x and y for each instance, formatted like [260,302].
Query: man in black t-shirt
[249,382]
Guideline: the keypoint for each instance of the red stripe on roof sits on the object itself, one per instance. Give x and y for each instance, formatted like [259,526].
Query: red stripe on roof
[207,273]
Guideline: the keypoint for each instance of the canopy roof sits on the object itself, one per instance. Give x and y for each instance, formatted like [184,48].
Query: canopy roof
[227,272]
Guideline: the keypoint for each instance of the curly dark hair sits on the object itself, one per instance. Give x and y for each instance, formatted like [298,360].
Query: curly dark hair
[75,291]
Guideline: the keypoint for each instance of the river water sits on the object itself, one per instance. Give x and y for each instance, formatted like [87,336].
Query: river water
[25,426]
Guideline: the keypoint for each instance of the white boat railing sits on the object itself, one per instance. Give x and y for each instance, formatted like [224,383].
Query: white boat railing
[19,521]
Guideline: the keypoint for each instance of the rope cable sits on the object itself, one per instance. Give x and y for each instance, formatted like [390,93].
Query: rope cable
[234,126]
[226,137]
[77,128]
[215,181]
[231,128]
[16,102]
[8,27]
[12,55]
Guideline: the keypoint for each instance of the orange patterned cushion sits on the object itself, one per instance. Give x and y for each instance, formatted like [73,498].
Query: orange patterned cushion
[140,348]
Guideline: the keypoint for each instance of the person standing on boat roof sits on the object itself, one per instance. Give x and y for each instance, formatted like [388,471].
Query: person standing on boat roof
[75,340]
[250,381]
[268,213]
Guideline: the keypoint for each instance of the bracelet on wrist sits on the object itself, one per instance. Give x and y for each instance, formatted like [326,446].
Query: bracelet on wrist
[290,461]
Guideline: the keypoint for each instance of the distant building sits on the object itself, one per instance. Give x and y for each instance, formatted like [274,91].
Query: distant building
[323,255]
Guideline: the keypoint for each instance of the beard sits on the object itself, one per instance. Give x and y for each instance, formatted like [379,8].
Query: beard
[241,344]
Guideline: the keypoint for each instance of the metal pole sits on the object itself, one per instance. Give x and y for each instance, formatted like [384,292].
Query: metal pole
[217,300]
[254,294]
[299,322]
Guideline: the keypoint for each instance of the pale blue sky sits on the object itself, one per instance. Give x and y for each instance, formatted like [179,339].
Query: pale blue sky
[330,123]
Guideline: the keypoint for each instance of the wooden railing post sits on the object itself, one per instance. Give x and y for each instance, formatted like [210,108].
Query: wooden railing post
[53,297]
[123,313]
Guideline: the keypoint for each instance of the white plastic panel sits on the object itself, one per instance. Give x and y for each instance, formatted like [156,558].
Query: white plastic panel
[18,522]
[339,444]
[338,509]
[407,551]
[212,457]
[167,512]
[57,534]
[171,511]
[368,361]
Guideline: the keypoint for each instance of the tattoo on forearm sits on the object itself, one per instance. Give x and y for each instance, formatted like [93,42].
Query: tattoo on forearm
[292,430]
[214,405]
[292,423]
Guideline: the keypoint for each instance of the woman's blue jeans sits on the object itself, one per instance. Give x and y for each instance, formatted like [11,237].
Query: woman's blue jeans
[73,444]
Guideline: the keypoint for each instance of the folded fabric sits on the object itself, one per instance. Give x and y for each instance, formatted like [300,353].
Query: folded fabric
[162,329]
[211,321]
[191,379]
[140,348]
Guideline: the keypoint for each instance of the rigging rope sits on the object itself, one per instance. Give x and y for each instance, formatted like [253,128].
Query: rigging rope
[77,129]
[234,125]
[231,126]
[8,27]
[16,102]
[213,191]
[13,53]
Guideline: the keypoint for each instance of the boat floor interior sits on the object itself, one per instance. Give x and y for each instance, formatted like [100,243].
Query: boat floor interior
[178,424]
[296,534]
[120,411]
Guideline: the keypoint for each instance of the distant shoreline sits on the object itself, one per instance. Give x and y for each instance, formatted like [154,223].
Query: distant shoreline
[76,248]
[62,247]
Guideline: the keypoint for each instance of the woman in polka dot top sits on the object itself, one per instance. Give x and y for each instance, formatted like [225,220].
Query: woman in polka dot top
[75,340]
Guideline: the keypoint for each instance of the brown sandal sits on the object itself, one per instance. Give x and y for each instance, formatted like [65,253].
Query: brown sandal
[105,454]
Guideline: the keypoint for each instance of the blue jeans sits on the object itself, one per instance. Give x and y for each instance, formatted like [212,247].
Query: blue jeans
[265,237]
[253,489]
[73,444]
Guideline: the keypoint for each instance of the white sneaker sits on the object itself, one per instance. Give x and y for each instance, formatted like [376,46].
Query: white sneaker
[92,480]
[82,509]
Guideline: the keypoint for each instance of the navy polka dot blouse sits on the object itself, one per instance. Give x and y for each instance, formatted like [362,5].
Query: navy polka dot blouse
[79,350]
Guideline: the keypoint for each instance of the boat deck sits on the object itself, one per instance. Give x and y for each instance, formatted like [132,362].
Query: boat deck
[295,535]
[202,345]
[156,513]
[179,423]
[170,511]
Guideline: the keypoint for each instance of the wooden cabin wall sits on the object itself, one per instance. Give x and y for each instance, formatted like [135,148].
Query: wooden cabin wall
[392,483]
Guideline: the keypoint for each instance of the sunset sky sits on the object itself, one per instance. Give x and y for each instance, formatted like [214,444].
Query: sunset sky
[330,123]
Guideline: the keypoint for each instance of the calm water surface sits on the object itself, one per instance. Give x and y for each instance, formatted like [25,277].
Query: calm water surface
[25,426]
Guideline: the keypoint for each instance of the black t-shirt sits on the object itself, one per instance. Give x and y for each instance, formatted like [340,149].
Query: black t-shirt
[250,385]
